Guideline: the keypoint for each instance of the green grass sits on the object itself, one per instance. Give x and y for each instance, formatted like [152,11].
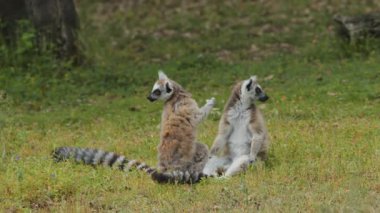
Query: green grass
[323,115]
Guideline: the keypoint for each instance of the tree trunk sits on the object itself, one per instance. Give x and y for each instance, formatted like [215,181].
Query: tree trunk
[10,12]
[56,22]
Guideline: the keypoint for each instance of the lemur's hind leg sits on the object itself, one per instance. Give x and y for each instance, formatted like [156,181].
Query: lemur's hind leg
[200,157]
[257,146]
[216,163]
[238,164]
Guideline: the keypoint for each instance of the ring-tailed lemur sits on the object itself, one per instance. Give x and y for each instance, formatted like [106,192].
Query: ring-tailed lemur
[178,150]
[181,158]
[242,135]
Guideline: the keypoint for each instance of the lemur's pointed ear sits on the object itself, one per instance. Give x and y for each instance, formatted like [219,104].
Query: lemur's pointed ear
[168,88]
[161,75]
[249,85]
[254,78]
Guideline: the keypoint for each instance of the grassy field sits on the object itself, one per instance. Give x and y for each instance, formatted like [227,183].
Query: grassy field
[323,116]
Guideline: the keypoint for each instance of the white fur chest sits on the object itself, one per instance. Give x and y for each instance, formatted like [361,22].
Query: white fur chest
[240,138]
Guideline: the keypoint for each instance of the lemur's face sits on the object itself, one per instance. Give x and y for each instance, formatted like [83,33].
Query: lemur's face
[162,89]
[250,89]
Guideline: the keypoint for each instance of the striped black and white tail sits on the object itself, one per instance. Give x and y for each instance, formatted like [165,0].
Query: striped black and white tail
[96,157]
[178,177]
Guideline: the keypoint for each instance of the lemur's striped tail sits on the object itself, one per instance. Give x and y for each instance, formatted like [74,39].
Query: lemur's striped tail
[96,157]
[178,177]
[99,157]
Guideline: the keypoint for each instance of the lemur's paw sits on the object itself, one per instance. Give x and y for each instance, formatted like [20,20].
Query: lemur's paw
[251,160]
[211,101]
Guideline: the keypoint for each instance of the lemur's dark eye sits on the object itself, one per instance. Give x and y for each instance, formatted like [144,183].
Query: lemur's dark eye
[157,92]
[258,90]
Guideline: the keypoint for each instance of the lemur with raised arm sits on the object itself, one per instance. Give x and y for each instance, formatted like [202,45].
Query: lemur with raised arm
[181,158]
[242,135]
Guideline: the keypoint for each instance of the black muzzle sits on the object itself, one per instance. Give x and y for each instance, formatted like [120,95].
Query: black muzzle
[263,97]
[151,98]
